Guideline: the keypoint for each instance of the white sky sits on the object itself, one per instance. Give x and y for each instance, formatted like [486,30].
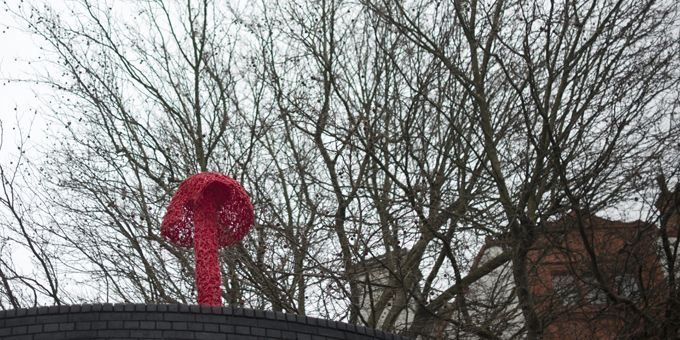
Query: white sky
[22,109]
[19,59]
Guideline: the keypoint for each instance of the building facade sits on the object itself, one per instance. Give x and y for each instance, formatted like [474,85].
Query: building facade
[589,277]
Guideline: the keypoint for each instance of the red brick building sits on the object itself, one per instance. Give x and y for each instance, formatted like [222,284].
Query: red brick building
[593,278]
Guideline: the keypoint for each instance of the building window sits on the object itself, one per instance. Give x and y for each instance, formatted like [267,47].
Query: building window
[565,289]
[627,286]
[594,293]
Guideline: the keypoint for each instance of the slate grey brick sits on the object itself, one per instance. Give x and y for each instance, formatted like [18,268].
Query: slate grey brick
[280,325]
[243,337]
[195,326]
[242,330]
[243,321]
[30,320]
[131,324]
[5,332]
[51,327]
[83,326]
[146,334]
[210,336]
[83,316]
[88,334]
[19,330]
[273,333]
[178,334]
[113,333]
[179,317]
[181,326]
[257,331]
[115,324]
[211,327]
[115,316]
[313,321]
[156,316]
[331,333]
[147,325]
[67,326]
[270,315]
[51,336]
[227,329]
[288,335]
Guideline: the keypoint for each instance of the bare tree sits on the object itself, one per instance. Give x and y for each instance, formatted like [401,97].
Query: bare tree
[381,143]
[27,268]
[563,97]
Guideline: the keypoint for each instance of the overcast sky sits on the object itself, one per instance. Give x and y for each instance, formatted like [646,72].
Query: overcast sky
[23,104]
[19,59]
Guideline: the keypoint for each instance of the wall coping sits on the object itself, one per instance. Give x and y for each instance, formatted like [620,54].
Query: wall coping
[348,329]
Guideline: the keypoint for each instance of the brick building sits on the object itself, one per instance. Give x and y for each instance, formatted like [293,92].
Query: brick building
[589,277]
[597,278]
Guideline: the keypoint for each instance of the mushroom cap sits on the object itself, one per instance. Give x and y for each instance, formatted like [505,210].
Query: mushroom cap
[230,202]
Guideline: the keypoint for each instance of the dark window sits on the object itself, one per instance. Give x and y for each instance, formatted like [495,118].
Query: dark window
[594,293]
[627,286]
[565,289]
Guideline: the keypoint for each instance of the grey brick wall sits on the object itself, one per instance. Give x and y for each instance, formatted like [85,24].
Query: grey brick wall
[141,321]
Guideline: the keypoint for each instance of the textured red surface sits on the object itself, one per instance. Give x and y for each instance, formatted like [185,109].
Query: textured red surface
[209,210]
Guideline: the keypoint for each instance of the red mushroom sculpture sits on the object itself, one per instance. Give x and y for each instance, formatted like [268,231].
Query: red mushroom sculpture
[209,210]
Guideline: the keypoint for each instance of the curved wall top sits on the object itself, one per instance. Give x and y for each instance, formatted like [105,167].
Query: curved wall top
[171,321]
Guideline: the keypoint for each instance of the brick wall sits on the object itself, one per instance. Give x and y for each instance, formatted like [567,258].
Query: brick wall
[141,321]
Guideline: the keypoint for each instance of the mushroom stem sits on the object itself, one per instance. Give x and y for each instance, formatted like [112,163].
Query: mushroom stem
[205,252]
